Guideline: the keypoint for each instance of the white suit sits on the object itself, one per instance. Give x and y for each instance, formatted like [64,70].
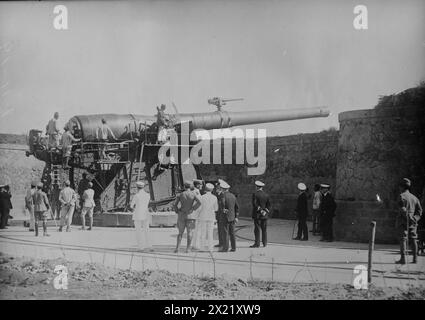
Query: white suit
[140,203]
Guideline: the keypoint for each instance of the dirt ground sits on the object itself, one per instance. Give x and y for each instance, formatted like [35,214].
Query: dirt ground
[23,278]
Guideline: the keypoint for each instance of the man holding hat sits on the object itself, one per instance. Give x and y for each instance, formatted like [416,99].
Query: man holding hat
[186,203]
[327,213]
[41,206]
[29,203]
[228,213]
[87,206]
[302,213]
[205,221]
[407,220]
[260,213]
[68,199]
[140,207]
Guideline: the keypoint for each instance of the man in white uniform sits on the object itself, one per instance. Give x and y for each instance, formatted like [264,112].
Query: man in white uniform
[205,222]
[139,206]
[88,206]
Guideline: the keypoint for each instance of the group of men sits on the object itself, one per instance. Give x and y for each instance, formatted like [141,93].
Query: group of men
[38,205]
[197,210]
[324,207]
[64,141]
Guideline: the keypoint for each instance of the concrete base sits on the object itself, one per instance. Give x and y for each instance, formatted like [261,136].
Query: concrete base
[125,219]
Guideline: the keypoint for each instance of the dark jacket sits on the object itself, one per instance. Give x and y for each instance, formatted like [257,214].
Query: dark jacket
[302,207]
[260,201]
[229,207]
[328,206]
[5,202]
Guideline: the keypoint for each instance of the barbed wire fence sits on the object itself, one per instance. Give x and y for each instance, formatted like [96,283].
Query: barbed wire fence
[256,267]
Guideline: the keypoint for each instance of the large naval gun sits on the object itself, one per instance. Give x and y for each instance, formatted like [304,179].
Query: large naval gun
[114,166]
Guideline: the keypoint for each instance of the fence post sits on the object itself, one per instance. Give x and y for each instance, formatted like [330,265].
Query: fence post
[250,266]
[371,246]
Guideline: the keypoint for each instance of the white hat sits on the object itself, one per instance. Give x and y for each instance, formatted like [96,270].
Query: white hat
[224,184]
[197,181]
[140,184]
[259,183]
[209,187]
[325,185]
[302,186]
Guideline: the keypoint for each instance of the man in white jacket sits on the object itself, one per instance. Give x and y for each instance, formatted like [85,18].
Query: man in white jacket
[139,206]
[205,222]
[88,206]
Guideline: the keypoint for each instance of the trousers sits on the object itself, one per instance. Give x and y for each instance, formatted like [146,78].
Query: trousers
[142,233]
[229,234]
[66,213]
[260,224]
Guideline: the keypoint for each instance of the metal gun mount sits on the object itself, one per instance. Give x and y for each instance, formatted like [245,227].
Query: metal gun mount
[220,102]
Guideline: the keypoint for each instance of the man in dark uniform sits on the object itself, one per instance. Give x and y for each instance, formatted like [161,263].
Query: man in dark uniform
[260,213]
[407,220]
[219,194]
[302,213]
[327,213]
[185,204]
[5,205]
[228,214]
[83,185]
[421,228]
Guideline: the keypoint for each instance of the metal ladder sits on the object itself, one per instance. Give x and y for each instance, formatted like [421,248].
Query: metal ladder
[140,161]
[55,174]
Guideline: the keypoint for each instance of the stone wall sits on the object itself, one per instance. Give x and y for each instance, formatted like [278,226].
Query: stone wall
[308,158]
[377,148]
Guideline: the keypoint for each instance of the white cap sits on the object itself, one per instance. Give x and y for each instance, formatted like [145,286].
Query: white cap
[259,183]
[209,187]
[224,184]
[325,185]
[302,186]
[140,184]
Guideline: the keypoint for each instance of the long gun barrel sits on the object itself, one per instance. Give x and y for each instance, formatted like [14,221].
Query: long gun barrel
[123,125]
[226,119]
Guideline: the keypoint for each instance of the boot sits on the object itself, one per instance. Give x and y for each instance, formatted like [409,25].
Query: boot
[403,247]
[36,229]
[415,251]
[45,234]
[402,260]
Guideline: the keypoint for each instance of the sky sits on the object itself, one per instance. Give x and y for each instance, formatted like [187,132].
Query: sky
[129,57]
